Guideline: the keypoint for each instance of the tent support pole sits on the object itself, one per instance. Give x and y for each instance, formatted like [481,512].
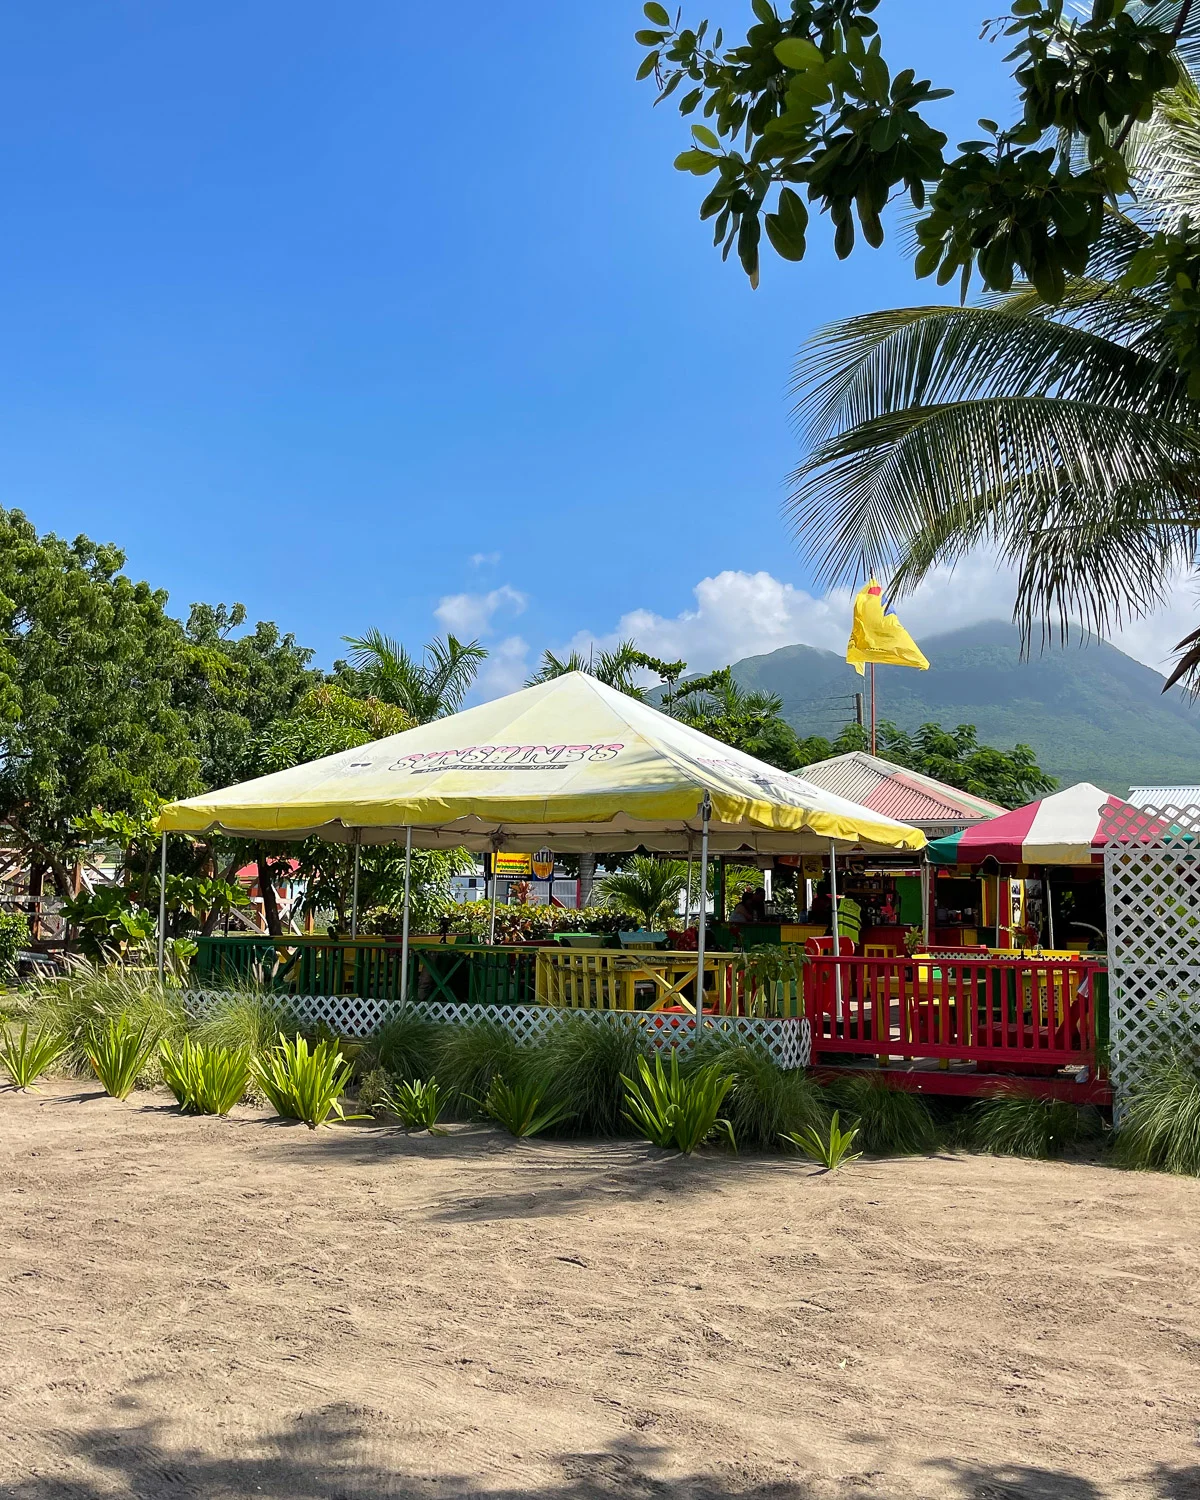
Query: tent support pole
[495,883]
[705,814]
[1049,906]
[162,912]
[354,893]
[404,925]
[687,891]
[927,878]
[837,937]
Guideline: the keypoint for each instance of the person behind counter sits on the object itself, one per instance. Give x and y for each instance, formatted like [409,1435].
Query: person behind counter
[750,910]
[820,913]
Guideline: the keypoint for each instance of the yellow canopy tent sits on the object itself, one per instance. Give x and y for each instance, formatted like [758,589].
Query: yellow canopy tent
[570,764]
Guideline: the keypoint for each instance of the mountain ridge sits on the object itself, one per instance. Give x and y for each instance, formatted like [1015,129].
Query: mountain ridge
[1089,711]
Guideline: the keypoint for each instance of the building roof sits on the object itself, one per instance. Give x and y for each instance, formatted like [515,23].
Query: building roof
[885,787]
[1164,796]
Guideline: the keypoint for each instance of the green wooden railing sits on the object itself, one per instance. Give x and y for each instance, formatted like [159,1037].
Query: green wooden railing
[369,967]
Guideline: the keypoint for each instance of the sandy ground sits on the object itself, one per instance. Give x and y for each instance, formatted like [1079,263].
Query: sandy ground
[244,1308]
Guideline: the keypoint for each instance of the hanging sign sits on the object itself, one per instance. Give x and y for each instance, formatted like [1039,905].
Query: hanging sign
[520,865]
[543,864]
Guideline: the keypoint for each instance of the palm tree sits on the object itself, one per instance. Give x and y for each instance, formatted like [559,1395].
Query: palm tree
[426,689]
[647,888]
[1062,436]
[616,668]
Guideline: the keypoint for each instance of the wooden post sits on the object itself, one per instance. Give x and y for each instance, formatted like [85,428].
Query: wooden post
[872,708]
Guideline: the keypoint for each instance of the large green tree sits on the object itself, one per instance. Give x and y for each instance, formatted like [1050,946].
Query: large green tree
[1063,436]
[91,669]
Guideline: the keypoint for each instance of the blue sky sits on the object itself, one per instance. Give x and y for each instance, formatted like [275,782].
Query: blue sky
[363,316]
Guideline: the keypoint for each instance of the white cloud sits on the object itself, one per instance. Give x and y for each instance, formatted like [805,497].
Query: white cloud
[505,670]
[739,614]
[484,559]
[471,614]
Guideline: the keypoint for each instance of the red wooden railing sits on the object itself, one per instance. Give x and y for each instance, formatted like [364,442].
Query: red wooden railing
[1012,1012]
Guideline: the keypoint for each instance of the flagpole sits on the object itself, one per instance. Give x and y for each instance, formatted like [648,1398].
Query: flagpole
[872,708]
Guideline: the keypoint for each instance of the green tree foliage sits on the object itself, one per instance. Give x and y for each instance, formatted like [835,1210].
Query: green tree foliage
[618,668]
[749,721]
[239,684]
[326,720]
[1063,436]
[808,104]
[90,671]
[647,889]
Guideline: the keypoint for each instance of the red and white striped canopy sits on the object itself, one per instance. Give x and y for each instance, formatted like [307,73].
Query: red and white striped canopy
[1070,827]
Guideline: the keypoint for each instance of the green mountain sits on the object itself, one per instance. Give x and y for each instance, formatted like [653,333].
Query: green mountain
[1089,711]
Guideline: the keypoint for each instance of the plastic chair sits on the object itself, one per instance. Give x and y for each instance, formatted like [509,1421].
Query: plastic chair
[818,947]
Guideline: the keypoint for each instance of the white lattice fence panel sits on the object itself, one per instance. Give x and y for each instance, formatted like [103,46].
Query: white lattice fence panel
[1152,890]
[348,1015]
[788,1041]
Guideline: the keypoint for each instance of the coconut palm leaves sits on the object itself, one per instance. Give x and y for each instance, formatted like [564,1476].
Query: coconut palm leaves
[647,888]
[426,689]
[1061,437]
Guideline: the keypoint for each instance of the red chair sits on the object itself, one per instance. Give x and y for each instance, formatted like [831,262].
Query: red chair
[816,947]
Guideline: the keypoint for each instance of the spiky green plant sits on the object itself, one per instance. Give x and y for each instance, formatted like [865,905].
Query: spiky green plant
[1014,1122]
[890,1121]
[671,1108]
[418,1104]
[25,1059]
[647,889]
[765,1101]
[472,1054]
[300,1084]
[588,1061]
[1161,1128]
[405,1046]
[831,1149]
[205,1080]
[523,1108]
[83,1000]
[118,1052]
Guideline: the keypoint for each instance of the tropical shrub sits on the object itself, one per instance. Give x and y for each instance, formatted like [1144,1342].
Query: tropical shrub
[405,1046]
[889,1121]
[1161,1129]
[472,1054]
[118,1051]
[205,1080]
[1017,1123]
[831,1150]
[89,996]
[14,935]
[300,1084]
[523,1107]
[589,1061]
[25,1060]
[528,924]
[647,890]
[418,1104]
[372,1088]
[765,1101]
[771,974]
[674,1109]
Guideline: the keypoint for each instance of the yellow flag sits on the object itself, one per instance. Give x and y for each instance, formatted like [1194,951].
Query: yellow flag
[875,636]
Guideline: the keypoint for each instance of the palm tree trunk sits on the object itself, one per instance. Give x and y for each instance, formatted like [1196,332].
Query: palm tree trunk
[267,891]
[587,878]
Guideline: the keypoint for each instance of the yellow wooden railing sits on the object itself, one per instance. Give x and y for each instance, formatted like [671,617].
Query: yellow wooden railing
[604,979]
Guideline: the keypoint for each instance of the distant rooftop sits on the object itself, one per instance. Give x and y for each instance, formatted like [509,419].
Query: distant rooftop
[1164,796]
[897,792]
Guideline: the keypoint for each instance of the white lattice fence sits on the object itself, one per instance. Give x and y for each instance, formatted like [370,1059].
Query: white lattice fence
[789,1041]
[1152,890]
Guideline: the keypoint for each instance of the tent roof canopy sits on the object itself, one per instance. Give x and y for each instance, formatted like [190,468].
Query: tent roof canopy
[568,763]
[1070,827]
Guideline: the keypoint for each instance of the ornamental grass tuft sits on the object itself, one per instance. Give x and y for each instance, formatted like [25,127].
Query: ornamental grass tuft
[1161,1128]
[471,1055]
[81,1003]
[417,1104]
[1017,1123]
[830,1149]
[889,1121]
[524,1108]
[406,1046]
[765,1102]
[588,1062]
[677,1109]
